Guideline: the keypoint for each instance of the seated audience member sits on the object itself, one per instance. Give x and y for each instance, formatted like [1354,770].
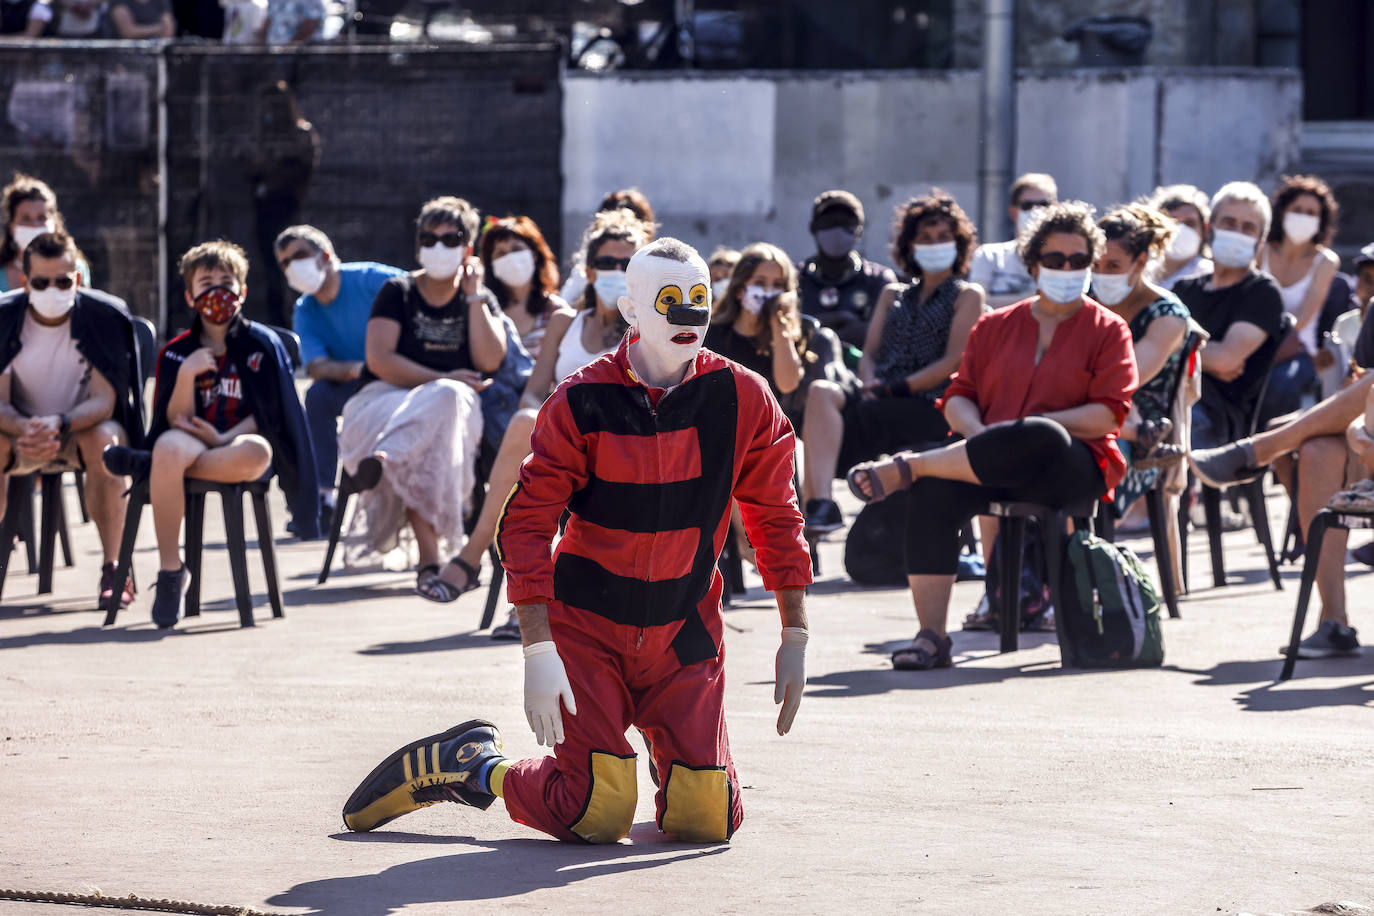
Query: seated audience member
[721,263]
[1296,256]
[997,266]
[1324,437]
[1039,396]
[69,386]
[291,22]
[839,287]
[521,272]
[30,209]
[225,409]
[1190,210]
[331,319]
[77,19]
[1240,308]
[134,19]
[631,199]
[574,339]
[1136,238]
[24,18]
[415,425]
[914,344]
[1334,359]
[756,321]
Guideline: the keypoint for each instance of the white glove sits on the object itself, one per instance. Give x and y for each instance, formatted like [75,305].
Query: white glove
[546,681]
[791,675]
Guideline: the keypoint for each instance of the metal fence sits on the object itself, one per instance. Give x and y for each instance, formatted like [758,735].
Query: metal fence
[152,148]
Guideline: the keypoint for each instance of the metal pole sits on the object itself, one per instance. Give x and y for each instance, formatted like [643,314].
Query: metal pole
[997,118]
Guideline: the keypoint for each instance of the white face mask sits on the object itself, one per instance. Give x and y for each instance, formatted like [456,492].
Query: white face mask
[52,303]
[514,268]
[1025,218]
[1233,249]
[305,275]
[718,288]
[22,235]
[1301,227]
[1109,289]
[934,259]
[1185,245]
[609,286]
[755,298]
[1063,286]
[442,262]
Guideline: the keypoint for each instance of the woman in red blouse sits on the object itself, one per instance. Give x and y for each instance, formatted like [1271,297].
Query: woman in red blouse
[1039,397]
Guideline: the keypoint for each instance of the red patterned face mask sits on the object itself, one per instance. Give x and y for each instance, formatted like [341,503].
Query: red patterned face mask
[218,304]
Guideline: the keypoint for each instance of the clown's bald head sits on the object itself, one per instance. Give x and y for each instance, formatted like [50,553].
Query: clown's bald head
[668,300]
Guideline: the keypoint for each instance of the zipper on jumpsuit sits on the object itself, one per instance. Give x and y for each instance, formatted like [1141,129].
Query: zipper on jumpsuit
[658,459]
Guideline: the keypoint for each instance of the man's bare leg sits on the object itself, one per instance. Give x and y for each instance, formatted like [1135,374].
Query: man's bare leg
[1329,418]
[1321,472]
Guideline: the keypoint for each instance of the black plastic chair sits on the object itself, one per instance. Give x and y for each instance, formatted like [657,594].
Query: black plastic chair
[231,497]
[1324,520]
[1253,494]
[349,487]
[292,341]
[19,522]
[1012,517]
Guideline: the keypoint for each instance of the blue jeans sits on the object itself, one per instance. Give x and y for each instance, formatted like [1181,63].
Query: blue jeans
[324,401]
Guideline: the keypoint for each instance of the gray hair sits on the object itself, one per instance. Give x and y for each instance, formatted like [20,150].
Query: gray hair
[1245,192]
[671,249]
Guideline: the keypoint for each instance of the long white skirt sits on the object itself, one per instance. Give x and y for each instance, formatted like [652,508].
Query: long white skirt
[430,435]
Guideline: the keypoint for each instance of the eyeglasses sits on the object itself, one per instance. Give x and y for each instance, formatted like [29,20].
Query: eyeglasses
[606,262]
[1057,260]
[1033,204]
[64,282]
[450,239]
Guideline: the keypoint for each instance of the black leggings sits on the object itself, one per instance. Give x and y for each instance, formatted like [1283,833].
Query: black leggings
[1028,460]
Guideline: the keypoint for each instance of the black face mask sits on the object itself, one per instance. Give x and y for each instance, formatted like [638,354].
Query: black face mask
[837,241]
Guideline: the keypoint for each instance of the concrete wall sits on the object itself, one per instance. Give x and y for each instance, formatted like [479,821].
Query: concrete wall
[734,158]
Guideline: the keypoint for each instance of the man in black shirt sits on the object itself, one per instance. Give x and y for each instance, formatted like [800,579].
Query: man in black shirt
[837,285]
[1243,311]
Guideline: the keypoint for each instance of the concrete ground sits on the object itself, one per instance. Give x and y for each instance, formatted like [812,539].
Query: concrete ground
[209,764]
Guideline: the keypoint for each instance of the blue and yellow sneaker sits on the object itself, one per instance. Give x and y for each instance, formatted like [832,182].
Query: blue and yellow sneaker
[439,768]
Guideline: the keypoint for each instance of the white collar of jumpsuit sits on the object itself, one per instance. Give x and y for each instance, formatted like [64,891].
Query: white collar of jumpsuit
[661,354]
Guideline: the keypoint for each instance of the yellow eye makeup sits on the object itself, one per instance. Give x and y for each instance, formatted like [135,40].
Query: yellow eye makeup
[698,295]
[668,297]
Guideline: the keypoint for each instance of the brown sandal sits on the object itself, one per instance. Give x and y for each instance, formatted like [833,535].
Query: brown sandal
[875,484]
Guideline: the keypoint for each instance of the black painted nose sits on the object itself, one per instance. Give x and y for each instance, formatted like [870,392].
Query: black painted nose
[688,315]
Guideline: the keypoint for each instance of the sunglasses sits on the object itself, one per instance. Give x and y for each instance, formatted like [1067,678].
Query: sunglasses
[1056,260]
[606,262]
[450,239]
[64,282]
[1033,204]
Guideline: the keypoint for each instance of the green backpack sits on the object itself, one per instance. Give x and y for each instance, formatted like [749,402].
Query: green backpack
[1111,611]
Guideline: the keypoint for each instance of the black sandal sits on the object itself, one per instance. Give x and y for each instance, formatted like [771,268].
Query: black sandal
[437,590]
[914,658]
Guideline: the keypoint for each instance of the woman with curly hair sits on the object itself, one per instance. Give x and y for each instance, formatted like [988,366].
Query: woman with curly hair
[1296,256]
[1137,237]
[913,344]
[522,273]
[1039,396]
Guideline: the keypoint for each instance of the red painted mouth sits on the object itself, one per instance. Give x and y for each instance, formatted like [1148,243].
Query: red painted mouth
[686,337]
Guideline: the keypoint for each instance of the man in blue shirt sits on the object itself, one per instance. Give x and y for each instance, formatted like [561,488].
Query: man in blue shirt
[331,318]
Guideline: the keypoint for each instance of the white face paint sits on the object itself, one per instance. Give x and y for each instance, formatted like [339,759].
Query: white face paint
[663,352]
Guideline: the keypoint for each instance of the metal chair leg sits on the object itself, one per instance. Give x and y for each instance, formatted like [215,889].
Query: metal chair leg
[1315,534]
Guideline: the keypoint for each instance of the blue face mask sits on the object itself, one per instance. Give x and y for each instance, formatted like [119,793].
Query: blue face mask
[1063,286]
[609,286]
[934,259]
